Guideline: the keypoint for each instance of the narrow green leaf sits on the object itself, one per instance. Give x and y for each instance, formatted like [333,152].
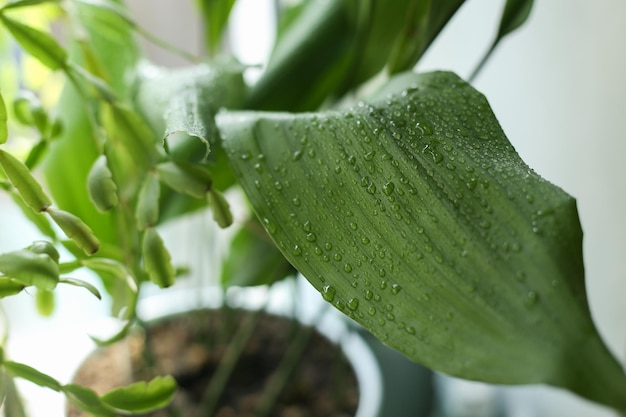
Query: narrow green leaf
[215,14]
[4,128]
[253,259]
[40,45]
[21,178]
[9,287]
[185,178]
[29,373]
[220,208]
[414,215]
[26,3]
[120,335]
[30,268]
[142,397]
[100,185]
[45,302]
[156,259]
[87,400]
[35,154]
[76,230]
[147,210]
[82,284]
[514,15]
[13,406]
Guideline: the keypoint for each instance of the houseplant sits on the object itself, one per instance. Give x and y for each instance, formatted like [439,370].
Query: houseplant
[441,231]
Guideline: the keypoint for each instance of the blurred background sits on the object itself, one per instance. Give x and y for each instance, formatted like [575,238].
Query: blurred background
[557,86]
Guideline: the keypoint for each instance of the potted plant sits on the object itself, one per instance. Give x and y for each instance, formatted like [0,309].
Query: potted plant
[405,207]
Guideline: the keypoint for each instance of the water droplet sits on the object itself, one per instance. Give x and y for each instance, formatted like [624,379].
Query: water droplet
[296,201]
[395,289]
[307,226]
[269,225]
[297,155]
[353,226]
[328,293]
[371,311]
[383,284]
[311,237]
[353,304]
[370,155]
[246,156]
[531,298]
[347,268]
[369,294]
[297,250]
[337,256]
[388,188]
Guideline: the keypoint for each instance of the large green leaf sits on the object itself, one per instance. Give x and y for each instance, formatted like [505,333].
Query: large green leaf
[414,215]
[142,397]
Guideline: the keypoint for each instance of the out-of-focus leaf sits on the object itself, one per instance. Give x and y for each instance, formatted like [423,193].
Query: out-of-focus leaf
[515,13]
[28,187]
[147,210]
[9,287]
[181,104]
[4,129]
[220,208]
[119,283]
[13,406]
[76,230]
[157,261]
[215,14]
[120,335]
[414,215]
[100,185]
[25,3]
[40,45]
[29,373]
[253,259]
[47,248]
[142,397]
[45,302]
[30,268]
[185,178]
[87,400]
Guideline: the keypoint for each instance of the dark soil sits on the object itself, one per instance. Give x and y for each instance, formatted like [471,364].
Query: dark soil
[189,347]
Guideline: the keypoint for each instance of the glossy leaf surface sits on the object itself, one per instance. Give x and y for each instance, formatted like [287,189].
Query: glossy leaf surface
[30,268]
[414,215]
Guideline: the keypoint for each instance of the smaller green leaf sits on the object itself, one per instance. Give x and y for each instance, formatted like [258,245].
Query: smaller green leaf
[30,268]
[87,400]
[157,260]
[35,154]
[220,208]
[45,302]
[27,186]
[185,178]
[514,15]
[47,248]
[82,284]
[4,129]
[29,373]
[76,230]
[9,287]
[142,397]
[40,45]
[102,189]
[121,334]
[147,210]
[26,3]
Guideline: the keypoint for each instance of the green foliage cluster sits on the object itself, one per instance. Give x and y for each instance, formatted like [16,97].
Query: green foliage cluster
[409,211]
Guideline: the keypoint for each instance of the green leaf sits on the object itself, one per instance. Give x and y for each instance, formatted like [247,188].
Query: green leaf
[414,215]
[220,208]
[142,397]
[120,335]
[156,259]
[253,259]
[9,287]
[45,302]
[87,400]
[28,373]
[30,268]
[21,178]
[147,210]
[215,14]
[46,248]
[4,128]
[13,406]
[40,45]
[82,284]
[514,15]
[100,185]
[26,3]
[76,230]
[181,104]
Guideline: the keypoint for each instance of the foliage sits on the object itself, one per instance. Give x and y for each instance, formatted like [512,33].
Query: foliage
[409,211]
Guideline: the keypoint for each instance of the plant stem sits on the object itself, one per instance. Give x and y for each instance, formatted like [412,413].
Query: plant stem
[227,364]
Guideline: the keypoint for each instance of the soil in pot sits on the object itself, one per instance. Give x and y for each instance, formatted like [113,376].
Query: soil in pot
[191,346]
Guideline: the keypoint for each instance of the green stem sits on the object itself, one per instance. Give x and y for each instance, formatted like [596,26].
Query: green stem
[228,363]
